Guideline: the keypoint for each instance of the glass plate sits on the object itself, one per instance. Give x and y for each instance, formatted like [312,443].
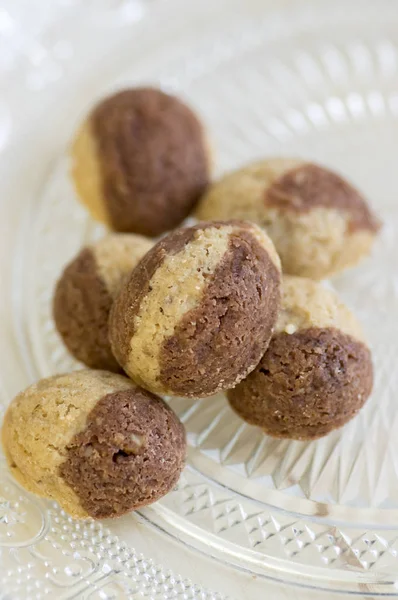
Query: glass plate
[308,78]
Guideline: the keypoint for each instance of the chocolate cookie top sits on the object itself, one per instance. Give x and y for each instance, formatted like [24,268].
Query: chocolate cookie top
[308,186]
[84,296]
[199,310]
[319,223]
[152,163]
[307,384]
[94,442]
[317,371]
[129,454]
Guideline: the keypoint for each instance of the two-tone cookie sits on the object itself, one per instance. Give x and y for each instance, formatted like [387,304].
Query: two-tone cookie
[94,442]
[198,312]
[317,372]
[84,295]
[140,161]
[319,223]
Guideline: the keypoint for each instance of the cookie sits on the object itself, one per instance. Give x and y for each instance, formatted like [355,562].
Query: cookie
[84,295]
[140,161]
[198,312]
[317,372]
[94,442]
[319,223]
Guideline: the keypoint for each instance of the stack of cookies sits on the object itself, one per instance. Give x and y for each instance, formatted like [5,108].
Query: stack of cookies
[231,304]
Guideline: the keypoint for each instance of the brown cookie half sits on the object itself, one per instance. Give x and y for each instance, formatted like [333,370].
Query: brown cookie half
[198,312]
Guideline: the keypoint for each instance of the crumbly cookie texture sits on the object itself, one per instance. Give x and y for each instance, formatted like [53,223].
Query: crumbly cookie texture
[84,295]
[317,372]
[198,312]
[319,223]
[140,161]
[307,304]
[94,442]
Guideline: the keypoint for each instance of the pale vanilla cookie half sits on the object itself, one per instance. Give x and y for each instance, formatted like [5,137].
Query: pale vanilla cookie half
[318,222]
[140,161]
[317,372]
[198,312]
[94,442]
[85,292]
